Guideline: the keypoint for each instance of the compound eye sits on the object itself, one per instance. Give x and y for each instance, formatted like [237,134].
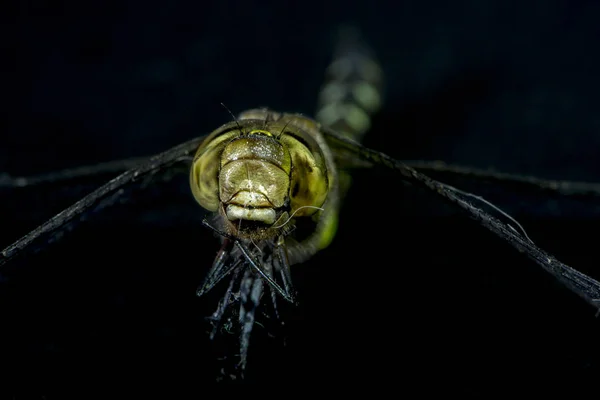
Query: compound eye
[204,174]
[309,183]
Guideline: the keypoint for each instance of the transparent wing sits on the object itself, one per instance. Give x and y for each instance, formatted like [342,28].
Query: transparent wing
[346,158]
[581,190]
[112,192]
[65,176]
[581,284]
[32,200]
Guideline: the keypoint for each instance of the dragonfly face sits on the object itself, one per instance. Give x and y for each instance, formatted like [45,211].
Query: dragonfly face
[258,173]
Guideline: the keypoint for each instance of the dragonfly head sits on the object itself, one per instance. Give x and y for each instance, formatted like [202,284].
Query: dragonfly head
[256,177]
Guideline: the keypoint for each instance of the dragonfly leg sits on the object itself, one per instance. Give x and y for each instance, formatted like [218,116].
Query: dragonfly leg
[219,269]
[251,291]
[270,274]
[284,268]
[217,317]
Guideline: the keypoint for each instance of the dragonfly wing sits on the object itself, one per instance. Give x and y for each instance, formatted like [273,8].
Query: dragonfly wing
[581,284]
[520,194]
[28,201]
[110,193]
[347,158]
[72,174]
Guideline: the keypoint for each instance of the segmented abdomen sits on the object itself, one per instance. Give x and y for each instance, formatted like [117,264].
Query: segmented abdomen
[352,90]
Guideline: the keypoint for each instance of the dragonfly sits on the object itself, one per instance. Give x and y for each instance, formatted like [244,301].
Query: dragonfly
[304,163]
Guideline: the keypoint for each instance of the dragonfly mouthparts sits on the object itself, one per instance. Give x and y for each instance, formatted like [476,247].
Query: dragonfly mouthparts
[266,215]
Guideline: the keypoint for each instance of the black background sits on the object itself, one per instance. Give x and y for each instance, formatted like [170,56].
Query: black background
[410,294]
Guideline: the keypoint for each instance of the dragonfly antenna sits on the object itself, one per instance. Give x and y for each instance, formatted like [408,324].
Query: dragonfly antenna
[283,129]
[233,116]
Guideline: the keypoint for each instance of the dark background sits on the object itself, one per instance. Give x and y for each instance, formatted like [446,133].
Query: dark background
[411,293]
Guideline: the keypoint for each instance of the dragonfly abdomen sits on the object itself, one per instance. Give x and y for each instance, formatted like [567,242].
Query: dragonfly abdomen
[353,85]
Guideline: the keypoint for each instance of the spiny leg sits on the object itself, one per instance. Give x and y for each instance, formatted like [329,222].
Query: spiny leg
[281,256]
[279,264]
[257,266]
[217,316]
[219,269]
[247,254]
[269,271]
[251,291]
